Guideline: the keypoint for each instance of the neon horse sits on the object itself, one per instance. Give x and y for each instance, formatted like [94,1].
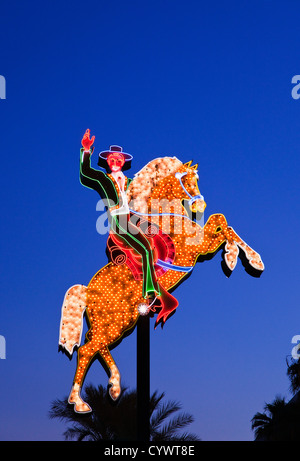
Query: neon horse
[112,301]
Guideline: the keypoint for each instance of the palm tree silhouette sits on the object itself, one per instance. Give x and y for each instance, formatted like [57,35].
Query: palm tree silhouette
[281,420]
[293,372]
[117,420]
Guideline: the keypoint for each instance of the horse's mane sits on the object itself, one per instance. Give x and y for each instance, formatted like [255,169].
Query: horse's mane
[143,183]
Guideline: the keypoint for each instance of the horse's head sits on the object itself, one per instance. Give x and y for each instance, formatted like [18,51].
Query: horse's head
[166,178]
[185,187]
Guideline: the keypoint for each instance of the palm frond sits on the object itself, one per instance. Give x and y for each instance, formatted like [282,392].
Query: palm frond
[174,425]
[163,412]
[118,420]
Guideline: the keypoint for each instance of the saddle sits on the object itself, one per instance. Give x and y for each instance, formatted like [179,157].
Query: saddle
[163,249]
[161,243]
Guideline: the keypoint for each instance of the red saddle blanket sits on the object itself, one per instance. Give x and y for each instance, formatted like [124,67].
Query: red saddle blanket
[162,246]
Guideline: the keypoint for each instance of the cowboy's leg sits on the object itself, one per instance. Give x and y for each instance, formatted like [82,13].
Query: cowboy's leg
[136,239]
[151,284]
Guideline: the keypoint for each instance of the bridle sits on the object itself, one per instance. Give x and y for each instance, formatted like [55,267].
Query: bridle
[192,199]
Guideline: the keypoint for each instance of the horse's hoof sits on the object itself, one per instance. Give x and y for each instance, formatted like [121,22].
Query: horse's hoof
[252,256]
[115,392]
[79,405]
[231,255]
[82,407]
[258,265]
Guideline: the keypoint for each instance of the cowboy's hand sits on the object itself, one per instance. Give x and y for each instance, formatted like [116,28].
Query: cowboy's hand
[86,141]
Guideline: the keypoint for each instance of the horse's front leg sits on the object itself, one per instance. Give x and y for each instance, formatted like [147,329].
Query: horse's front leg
[253,258]
[217,232]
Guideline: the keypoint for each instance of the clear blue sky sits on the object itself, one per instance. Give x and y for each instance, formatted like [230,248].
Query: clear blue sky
[201,80]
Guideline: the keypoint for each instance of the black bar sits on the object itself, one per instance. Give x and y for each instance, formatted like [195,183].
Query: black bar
[143,378]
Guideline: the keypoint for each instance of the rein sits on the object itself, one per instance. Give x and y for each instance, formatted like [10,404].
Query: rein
[173,267]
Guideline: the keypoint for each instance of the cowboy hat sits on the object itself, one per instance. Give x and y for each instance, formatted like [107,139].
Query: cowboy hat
[114,150]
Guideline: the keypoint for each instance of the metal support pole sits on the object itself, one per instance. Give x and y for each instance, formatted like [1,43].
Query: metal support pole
[143,378]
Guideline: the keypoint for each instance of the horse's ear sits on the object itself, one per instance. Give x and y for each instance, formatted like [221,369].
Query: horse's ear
[194,167]
[188,164]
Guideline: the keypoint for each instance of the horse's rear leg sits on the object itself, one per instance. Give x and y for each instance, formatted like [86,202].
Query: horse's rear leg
[114,381]
[85,354]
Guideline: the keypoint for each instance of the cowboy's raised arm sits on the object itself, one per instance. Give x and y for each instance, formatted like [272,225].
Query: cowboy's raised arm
[90,177]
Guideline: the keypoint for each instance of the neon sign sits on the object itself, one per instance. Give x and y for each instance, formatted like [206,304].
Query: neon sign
[117,294]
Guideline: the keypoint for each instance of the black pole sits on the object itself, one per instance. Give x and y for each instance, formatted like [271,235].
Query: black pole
[143,378]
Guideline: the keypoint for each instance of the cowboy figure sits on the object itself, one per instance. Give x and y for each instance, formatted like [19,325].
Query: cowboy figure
[112,188]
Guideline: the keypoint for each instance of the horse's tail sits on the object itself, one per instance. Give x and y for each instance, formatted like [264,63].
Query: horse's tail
[71,323]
